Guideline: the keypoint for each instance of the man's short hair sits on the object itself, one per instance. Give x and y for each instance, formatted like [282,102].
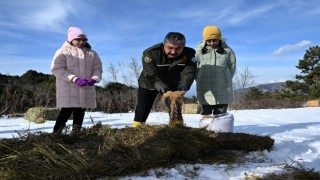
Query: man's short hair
[175,38]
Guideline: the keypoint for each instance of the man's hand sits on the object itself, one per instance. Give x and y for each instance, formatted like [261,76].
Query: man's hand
[164,89]
[183,88]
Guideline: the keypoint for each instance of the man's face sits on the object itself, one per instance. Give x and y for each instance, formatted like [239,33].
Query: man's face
[173,50]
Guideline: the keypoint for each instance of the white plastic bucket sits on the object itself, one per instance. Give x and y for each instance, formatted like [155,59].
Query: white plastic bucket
[221,123]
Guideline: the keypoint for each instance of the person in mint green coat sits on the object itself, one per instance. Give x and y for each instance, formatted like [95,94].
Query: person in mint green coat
[216,66]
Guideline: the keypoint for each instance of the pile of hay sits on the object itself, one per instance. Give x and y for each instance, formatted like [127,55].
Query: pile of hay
[101,151]
[191,109]
[174,101]
[41,114]
[313,103]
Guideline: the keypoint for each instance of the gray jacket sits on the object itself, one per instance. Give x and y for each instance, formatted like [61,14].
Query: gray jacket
[214,74]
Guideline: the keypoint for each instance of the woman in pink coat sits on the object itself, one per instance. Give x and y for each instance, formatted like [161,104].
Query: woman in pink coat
[76,68]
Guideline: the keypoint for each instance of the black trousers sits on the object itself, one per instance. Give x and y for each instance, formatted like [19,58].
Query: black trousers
[65,113]
[213,109]
[144,105]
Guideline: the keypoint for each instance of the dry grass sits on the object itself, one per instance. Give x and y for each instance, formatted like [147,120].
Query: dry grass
[101,151]
[294,170]
[191,108]
[294,174]
[313,103]
[265,103]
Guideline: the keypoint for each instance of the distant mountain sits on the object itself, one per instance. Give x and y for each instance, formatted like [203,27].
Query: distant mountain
[262,87]
[271,87]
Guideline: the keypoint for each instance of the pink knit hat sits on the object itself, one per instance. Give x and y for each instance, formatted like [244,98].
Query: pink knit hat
[74,32]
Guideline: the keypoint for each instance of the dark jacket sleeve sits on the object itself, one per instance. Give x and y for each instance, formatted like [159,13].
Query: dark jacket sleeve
[151,71]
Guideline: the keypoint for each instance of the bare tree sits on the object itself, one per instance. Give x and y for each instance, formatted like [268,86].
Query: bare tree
[9,103]
[235,81]
[126,80]
[13,101]
[43,97]
[112,72]
[244,80]
[241,81]
[135,68]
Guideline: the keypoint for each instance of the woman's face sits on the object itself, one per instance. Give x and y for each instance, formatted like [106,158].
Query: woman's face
[213,43]
[79,42]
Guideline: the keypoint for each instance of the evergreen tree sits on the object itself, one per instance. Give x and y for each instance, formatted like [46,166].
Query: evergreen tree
[254,93]
[308,81]
[117,87]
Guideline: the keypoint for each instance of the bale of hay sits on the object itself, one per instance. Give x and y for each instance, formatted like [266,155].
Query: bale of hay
[41,114]
[191,109]
[313,103]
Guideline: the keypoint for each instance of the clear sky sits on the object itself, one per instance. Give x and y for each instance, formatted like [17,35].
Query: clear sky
[268,36]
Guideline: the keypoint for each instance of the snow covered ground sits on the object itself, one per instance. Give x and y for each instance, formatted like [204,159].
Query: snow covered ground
[296,133]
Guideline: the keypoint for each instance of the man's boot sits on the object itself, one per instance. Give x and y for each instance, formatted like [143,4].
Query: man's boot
[137,123]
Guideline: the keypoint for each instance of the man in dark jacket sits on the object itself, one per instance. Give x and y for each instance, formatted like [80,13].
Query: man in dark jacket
[167,66]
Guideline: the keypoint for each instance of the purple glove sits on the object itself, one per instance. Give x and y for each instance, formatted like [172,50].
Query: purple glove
[91,81]
[81,82]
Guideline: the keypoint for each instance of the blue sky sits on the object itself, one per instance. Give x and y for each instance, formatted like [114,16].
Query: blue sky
[268,36]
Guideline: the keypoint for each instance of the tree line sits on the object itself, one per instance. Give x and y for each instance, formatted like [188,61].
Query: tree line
[35,89]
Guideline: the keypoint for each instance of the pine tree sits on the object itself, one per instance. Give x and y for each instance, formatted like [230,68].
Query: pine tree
[308,81]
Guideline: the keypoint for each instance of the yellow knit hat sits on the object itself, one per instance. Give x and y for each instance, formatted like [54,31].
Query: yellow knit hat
[211,32]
